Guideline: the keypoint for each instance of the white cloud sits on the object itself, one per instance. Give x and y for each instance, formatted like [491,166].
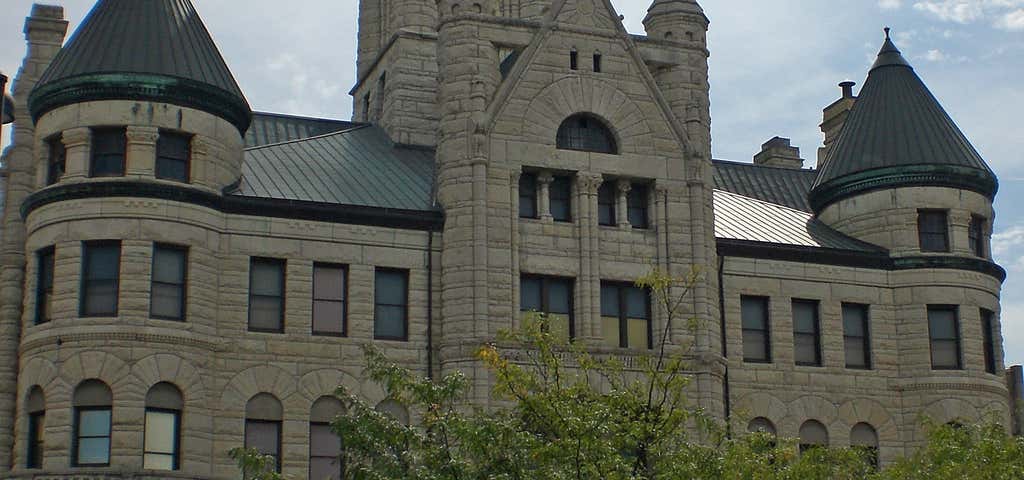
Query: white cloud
[1007,240]
[890,4]
[970,11]
[1013,21]
[935,55]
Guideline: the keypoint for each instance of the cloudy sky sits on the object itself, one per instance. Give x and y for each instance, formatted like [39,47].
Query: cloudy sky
[774,65]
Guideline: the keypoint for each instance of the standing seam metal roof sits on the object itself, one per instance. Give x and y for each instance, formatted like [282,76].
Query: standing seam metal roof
[270,128]
[782,186]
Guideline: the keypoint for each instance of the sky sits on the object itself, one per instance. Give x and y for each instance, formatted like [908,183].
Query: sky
[774,65]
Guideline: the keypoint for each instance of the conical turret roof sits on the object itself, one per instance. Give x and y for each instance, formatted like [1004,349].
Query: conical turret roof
[157,50]
[898,134]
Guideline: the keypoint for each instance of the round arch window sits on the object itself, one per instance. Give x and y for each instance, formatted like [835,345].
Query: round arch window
[586,133]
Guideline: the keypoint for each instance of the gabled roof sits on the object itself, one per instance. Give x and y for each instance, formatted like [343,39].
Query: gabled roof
[897,134]
[269,128]
[782,186]
[142,49]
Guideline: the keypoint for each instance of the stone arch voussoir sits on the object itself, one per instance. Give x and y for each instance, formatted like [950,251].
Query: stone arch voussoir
[871,412]
[261,379]
[173,369]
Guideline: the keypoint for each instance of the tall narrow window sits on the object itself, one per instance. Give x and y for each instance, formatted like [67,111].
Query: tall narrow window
[101,265]
[391,305]
[586,133]
[864,437]
[636,200]
[91,430]
[806,333]
[597,63]
[173,156]
[988,333]
[162,449]
[324,444]
[108,152]
[57,162]
[551,296]
[44,285]
[35,406]
[933,230]
[856,336]
[170,270]
[626,316]
[528,195]
[266,295]
[812,435]
[756,331]
[944,330]
[606,200]
[560,194]
[263,416]
[976,235]
[330,308]
[574,60]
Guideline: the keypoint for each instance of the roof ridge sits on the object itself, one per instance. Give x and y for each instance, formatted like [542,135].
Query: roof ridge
[771,167]
[297,140]
[305,117]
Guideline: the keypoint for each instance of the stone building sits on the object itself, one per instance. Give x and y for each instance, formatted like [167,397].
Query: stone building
[181,275]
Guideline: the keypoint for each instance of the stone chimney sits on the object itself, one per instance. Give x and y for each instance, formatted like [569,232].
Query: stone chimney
[778,152]
[1015,384]
[834,117]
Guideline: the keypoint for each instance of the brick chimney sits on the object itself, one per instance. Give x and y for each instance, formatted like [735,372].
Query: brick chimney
[834,117]
[778,152]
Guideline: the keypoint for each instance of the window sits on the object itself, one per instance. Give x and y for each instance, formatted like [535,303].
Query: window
[561,199]
[44,285]
[988,333]
[173,156]
[976,235]
[528,195]
[597,63]
[162,449]
[864,436]
[330,289]
[944,330]
[806,333]
[574,60]
[101,263]
[606,199]
[266,295]
[91,433]
[35,405]
[756,332]
[636,201]
[170,269]
[585,133]
[324,444]
[812,434]
[391,305]
[626,316]
[933,230]
[551,296]
[856,336]
[108,152]
[57,162]
[761,424]
[263,416]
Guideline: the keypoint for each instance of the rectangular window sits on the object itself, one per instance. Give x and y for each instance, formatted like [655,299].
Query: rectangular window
[944,331]
[391,305]
[626,316]
[988,333]
[933,230]
[976,235]
[756,330]
[806,333]
[551,296]
[856,336]
[561,199]
[108,152]
[324,452]
[101,265]
[528,195]
[266,295]
[636,200]
[44,285]
[606,199]
[265,437]
[162,445]
[330,289]
[57,162]
[574,60]
[597,63]
[36,443]
[167,291]
[92,437]
[173,156]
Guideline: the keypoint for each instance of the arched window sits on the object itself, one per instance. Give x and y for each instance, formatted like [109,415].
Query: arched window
[864,436]
[587,133]
[263,416]
[813,434]
[395,410]
[761,424]
[92,404]
[162,449]
[324,444]
[35,408]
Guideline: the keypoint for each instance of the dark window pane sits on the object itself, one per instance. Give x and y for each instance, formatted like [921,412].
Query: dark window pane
[161,440]
[108,153]
[933,228]
[805,317]
[637,301]
[167,301]
[328,283]
[806,333]
[856,337]
[610,300]
[265,437]
[560,194]
[806,349]
[323,442]
[530,294]
[944,330]
[168,286]
[976,233]
[57,162]
[44,285]
[597,63]
[528,195]
[552,296]
[94,423]
[755,346]
[173,152]
[267,277]
[585,133]
[101,265]
[637,202]
[92,437]
[390,288]
[391,294]
[559,296]
[988,336]
[328,317]
[93,451]
[265,313]
[574,60]
[606,199]
[754,313]
[389,322]
[855,354]
[36,440]
[329,291]
[266,295]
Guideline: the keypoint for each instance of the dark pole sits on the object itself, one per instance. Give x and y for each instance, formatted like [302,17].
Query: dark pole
[3,103]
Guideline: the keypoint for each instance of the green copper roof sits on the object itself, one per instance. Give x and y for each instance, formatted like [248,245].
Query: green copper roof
[156,50]
[898,135]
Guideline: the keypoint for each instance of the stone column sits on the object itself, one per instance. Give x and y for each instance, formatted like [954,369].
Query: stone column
[78,145]
[544,196]
[514,245]
[589,281]
[140,156]
[622,203]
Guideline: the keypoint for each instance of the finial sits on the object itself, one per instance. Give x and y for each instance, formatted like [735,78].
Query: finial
[887,33]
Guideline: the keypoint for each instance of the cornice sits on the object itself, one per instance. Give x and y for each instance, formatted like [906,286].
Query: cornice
[952,176]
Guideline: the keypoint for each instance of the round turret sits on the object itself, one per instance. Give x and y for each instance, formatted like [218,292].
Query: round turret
[677,20]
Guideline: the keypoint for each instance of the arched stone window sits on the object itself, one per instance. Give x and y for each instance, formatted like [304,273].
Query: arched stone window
[35,409]
[864,436]
[395,410]
[586,133]
[263,416]
[92,404]
[812,434]
[761,424]
[324,444]
[162,444]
